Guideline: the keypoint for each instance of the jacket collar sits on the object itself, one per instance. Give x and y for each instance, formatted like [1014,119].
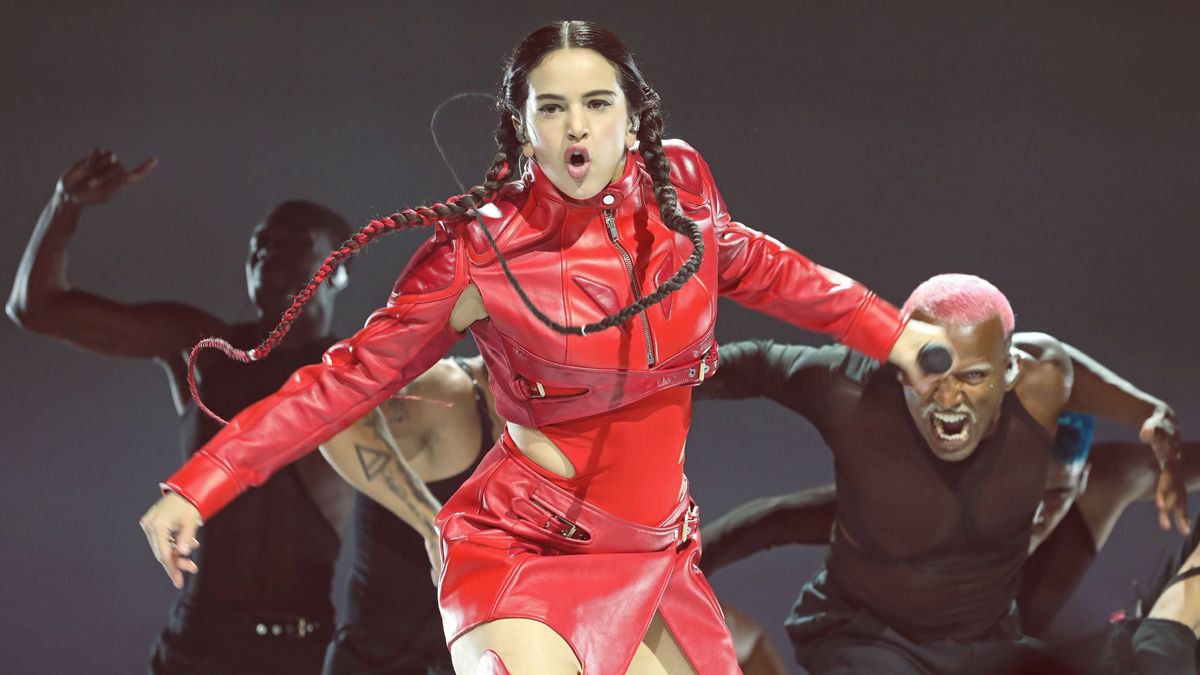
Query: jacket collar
[611,197]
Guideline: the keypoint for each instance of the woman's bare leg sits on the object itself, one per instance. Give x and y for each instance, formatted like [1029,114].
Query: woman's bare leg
[526,647]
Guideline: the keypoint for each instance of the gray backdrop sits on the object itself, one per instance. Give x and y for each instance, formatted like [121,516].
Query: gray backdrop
[1050,147]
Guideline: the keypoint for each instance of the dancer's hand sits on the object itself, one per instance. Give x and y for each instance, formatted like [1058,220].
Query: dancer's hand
[916,335]
[170,526]
[1161,432]
[97,177]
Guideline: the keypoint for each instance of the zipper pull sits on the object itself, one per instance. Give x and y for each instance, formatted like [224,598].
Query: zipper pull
[611,223]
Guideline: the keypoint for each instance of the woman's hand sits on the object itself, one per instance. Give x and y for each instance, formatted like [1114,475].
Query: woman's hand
[916,336]
[170,526]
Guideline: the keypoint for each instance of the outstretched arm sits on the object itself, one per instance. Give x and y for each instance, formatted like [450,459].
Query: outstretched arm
[1096,390]
[804,517]
[763,274]
[42,298]
[397,344]
[1123,473]
[794,376]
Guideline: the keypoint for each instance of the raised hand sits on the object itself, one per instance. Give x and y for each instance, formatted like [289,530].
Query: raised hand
[97,177]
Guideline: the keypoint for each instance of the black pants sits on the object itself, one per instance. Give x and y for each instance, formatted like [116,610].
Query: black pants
[197,642]
[354,652]
[831,637]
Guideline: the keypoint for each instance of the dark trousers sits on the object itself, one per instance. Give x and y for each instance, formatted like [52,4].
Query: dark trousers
[198,642]
[355,652]
[831,637]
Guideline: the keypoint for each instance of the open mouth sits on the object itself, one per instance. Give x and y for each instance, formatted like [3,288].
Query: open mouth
[951,428]
[578,161]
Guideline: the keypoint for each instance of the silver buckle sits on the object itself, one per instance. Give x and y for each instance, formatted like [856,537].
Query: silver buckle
[703,370]
[534,389]
[688,526]
[572,528]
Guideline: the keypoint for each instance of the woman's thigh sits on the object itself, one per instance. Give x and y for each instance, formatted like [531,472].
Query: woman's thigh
[526,646]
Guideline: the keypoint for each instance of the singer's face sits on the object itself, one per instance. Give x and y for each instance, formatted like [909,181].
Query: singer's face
[577,121]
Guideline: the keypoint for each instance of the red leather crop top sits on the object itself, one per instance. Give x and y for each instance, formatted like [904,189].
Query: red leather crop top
[579,260]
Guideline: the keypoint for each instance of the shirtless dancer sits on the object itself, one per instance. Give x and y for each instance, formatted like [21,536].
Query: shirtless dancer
[262,603]
[406,458]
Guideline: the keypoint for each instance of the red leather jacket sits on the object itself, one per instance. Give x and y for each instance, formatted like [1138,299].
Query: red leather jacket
[578,261]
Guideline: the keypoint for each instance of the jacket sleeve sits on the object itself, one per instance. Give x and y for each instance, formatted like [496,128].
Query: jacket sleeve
[761,273]
[797,377]
[398,343]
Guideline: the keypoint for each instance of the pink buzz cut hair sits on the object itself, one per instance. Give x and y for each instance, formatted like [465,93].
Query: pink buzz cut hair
[960,300]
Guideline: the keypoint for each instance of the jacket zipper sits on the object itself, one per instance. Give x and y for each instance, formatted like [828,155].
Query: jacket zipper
[611,223]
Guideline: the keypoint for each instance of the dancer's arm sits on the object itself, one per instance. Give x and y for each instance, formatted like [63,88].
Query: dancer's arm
[1096,390]
[44,301]
[794,376]
[1123,473]
[804,517]
[368,457]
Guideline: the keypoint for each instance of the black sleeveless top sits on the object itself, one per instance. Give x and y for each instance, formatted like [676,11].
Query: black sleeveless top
[932,548]
[270,550]
[390,595]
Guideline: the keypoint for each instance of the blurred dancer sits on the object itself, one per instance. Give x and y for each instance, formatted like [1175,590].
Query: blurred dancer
[262,603]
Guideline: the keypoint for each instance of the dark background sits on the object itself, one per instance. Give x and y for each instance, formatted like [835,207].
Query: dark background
[1049,147]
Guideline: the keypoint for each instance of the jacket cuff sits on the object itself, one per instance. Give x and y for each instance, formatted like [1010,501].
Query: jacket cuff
[205,482]
[875,329]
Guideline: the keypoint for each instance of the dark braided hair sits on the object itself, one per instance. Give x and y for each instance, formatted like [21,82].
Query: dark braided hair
[643,102]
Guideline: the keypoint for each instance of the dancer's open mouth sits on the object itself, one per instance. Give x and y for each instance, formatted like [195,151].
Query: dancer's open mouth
[951,428]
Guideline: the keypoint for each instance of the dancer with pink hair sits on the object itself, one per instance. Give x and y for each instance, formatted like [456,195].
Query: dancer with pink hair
[937,490]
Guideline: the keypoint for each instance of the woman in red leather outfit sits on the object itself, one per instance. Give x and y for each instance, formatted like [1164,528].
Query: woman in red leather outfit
[573,547]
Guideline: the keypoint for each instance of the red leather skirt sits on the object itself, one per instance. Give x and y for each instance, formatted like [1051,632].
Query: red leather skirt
[517,546]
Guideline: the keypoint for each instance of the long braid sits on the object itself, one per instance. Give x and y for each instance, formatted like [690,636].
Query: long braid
[454,209]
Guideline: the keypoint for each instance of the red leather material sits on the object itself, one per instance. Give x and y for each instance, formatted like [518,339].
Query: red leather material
[510,552]
[398,343]
[561,251]
[629,462]
[550,242]
[206,482]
